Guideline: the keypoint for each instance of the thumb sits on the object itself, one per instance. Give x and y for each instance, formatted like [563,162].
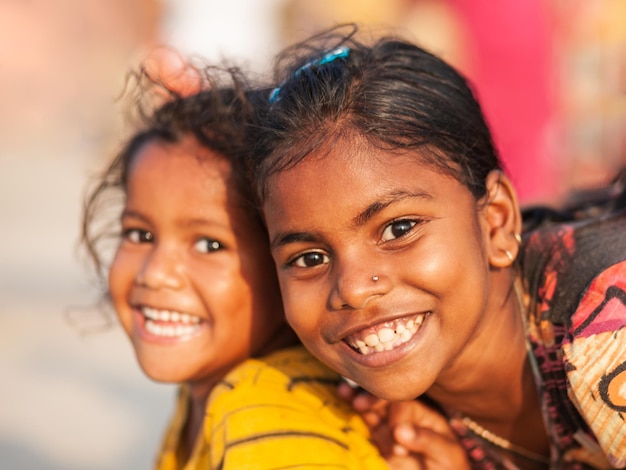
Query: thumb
[407,437]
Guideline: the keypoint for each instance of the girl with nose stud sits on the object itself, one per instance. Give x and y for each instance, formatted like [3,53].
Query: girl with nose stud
[406,265]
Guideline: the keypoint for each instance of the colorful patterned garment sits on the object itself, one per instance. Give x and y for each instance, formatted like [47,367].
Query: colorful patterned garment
[277,412]
[575,276]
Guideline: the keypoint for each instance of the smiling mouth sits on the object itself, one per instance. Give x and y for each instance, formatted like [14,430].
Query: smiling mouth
[169,323]
[386,336]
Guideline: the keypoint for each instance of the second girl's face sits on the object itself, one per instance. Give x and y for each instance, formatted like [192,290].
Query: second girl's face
[383,264]
[192,282]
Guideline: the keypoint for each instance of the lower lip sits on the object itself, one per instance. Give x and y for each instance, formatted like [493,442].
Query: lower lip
[385,359]
[145,335]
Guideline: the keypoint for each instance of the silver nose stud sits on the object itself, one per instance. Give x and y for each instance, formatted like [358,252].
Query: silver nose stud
[374,278]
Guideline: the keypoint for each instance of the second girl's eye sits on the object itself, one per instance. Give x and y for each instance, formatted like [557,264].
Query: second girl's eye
[207,245]
[135,235]
[310,259]
[397,229]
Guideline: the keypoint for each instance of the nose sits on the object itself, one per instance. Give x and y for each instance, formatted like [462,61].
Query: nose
[163,268]
[357,283]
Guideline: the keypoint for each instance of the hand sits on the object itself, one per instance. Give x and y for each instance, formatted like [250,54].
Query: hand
[168,68]
[409,434]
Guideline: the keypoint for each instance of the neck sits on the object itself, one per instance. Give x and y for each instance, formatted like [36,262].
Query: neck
[193,424]
[491,378]
[497,389]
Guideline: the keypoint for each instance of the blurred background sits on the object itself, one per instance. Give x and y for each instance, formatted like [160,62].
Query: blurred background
[551,75]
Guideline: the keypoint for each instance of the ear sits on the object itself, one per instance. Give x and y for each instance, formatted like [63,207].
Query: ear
[503,220]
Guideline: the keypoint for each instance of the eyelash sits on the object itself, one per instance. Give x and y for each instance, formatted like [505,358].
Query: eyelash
[144,236]
[138,236]
[293,262]
[213,245]
[412,224]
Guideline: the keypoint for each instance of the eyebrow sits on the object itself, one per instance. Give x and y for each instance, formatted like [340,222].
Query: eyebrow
[359,220]
[134,215]
[189,223]
[294,237]
[391,198]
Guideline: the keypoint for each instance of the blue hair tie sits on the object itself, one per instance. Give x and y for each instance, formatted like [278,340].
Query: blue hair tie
[338,53]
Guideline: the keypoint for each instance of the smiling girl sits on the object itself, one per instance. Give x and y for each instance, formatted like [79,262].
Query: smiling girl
[194,287]
[397,237]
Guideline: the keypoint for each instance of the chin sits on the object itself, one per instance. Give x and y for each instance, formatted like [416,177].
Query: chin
[166,375]
[392,390]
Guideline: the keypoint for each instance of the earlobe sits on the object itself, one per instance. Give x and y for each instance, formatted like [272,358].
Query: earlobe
[503,218]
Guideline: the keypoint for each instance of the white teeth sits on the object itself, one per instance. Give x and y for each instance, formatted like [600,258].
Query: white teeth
[388,337]
[386,334]
[189,322]
[170,331]
[406,335]
[371,340]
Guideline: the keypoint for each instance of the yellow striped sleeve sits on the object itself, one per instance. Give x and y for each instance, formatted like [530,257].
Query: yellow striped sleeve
[282,412]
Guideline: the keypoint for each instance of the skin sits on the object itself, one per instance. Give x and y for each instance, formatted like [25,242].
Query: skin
[189,246]
[409,433]
[349,212]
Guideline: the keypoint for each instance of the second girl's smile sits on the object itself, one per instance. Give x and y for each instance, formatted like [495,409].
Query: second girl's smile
[370,265]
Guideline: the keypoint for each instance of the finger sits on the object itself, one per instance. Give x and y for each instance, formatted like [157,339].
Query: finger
[436,450]
[419,415]
[400,450]
[346,392]
[408,462]
[365,401]
[373,419]
[168,67]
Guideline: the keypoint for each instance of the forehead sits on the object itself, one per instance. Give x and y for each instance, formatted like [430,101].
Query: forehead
[345,162]
[183,156]
[185,175]
[346,180]
[185,165]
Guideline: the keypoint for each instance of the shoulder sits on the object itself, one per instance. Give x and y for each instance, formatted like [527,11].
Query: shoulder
[560,261]
[283,409]
[595,359]
[288,370]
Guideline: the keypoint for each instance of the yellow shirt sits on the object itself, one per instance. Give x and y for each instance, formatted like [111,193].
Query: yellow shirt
[277,412]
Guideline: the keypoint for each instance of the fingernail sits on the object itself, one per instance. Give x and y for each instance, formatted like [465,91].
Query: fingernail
[399,450]
[405,431]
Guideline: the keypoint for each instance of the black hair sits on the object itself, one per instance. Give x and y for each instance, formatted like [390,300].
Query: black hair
[580,204]
[215,116]
[394,94]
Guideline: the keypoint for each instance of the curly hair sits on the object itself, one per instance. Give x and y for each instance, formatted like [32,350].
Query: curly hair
[216,116]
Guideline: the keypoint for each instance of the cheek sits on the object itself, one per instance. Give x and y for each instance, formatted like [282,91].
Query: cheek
[303,311]
[121,277]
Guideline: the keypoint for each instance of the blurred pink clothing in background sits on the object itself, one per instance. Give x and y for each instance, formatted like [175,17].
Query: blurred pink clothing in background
[509,62]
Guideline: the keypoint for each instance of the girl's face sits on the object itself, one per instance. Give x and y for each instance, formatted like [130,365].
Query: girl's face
[383,264]
[192,282]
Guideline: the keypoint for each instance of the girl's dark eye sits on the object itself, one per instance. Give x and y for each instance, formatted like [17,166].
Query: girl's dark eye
[398,229]
[310,259]
[135,235]
[207,245]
